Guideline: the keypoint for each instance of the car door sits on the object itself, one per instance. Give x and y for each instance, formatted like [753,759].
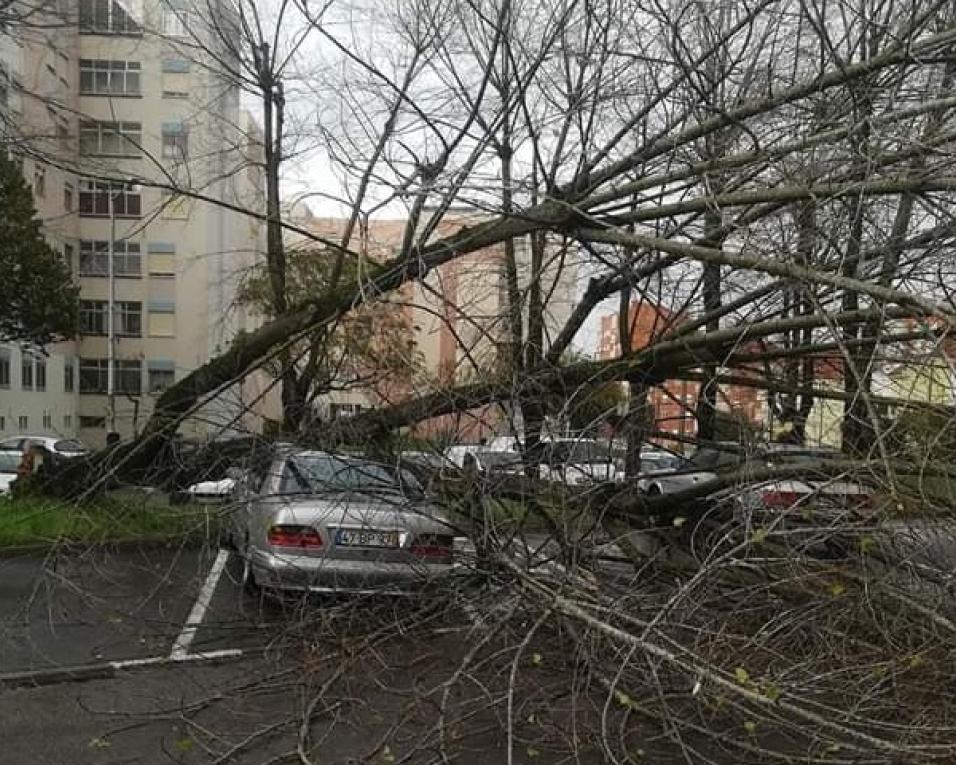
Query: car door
[12,445]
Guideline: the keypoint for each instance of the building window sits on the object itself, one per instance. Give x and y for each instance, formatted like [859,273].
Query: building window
[160,375]
[4,369]
[129,319]
[339,411]
[109,78]
[68,256]
[39,371]
[68,196]
[47,421]
[3,423]
[67,422]
[69,376]
[39,182]
[175,141]
[95,197]
[162,258]
[92,422]
[175,18]
[111,139]
[93,375]
[129,377]
[162,318]
[95,259]
[175,78]
[108,17]
[175,206]
[23,422]
[26,372]
[93,317]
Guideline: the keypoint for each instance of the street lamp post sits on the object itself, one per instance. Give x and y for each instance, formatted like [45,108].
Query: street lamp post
[110,324]
[111,434]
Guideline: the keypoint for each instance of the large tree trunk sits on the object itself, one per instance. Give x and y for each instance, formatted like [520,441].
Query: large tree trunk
[707,398]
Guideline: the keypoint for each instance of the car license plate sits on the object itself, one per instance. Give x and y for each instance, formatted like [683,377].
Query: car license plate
[366,538]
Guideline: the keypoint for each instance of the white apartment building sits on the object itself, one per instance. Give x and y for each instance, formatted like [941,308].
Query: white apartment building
[115,95]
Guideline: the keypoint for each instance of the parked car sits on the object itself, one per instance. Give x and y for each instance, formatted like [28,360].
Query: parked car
[456,453]
[319,522]
[654,461]
[425,466]
[577,461]
[8,470]
[211,492]
[710,461]
[60,447]
[493,461]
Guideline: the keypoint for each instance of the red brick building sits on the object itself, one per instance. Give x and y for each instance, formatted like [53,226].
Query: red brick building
[673,402]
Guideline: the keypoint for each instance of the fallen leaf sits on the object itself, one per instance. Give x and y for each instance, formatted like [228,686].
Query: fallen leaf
[743,677]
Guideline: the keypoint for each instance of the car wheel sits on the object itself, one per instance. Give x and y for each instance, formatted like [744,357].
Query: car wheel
[249,583]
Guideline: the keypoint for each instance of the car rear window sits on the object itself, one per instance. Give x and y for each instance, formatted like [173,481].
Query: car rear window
[328,473]
[69,445]
[790,457]
[9,462]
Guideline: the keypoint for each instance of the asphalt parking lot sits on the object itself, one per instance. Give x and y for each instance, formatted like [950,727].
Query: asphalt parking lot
[98,605]
[148,655]
[147,630]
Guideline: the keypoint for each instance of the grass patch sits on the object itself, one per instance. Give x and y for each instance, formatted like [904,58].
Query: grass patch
[33,521]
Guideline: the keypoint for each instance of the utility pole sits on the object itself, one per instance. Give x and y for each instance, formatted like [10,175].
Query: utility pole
[111,326]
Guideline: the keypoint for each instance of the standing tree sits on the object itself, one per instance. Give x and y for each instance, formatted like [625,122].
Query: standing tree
[38,301]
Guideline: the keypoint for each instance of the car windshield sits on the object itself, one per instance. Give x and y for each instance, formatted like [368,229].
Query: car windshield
[9,462]
[424,458]
[660,462]
[801,455]
[323,473]
[496,459]
[582,452]
[708,458]
[69,445]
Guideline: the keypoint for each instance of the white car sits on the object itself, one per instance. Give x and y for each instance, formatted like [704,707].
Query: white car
[577,461]
[8,470]
[709,462]
[212,492]
[61,447]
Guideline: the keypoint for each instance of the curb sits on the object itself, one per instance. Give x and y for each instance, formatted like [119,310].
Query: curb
[108,669]
[119,545]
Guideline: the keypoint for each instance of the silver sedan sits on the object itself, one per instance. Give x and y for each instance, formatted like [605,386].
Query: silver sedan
[321,522]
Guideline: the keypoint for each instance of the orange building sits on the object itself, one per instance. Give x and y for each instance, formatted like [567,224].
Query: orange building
[673,402]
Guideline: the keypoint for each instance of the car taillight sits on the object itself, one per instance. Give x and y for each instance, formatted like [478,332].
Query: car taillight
[294,536]
[781,499]
[433,547]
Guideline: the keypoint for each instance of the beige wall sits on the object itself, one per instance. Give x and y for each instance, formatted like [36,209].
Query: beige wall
[188,310]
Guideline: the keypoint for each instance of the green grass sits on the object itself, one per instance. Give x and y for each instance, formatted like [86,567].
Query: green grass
[36,521]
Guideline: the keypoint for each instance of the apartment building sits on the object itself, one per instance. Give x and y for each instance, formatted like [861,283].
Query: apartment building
[457,317]
[674,402]
[112,106]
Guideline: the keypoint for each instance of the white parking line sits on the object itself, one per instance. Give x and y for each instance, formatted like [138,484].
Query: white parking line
[181,647]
